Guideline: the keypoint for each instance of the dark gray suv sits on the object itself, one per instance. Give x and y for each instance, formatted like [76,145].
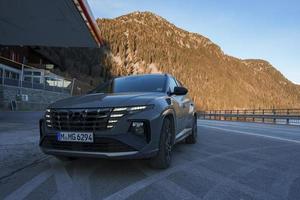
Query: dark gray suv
[140,116]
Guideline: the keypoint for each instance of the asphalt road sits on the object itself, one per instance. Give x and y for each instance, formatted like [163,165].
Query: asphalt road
[232,160]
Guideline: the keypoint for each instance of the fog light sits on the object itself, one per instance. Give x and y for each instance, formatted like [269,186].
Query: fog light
[138,128]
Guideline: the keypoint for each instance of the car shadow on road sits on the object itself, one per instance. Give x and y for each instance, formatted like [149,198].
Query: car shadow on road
[99,178]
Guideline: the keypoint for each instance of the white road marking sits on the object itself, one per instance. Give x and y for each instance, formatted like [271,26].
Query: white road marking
[66,187]
[253,134]
[257,128]
[133,188]
[176,190]
[64,182]
[139,185]
[23,191]
[81,175]
[261,126]
[168,185]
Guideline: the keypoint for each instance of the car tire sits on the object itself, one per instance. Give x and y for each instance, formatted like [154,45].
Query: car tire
[192,139]
[64,158]
[163,158]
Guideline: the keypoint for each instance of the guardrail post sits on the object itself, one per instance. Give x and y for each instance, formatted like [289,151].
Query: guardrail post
[222,115]
[288,117]
[44,82]
[22,78]
[210,114]
[2,75]
[263,114]
[253,118]
[237,115]
[62,87]
[72,87]
[32,80]
[274,118]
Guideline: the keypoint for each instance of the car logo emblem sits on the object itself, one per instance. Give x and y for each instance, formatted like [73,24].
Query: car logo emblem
[83,114]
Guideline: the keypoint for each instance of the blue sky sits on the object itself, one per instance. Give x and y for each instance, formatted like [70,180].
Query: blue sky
[264,29]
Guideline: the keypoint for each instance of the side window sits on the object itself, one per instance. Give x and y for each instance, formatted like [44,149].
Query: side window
[172,84]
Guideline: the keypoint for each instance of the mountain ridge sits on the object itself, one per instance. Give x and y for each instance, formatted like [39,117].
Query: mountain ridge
[141,41]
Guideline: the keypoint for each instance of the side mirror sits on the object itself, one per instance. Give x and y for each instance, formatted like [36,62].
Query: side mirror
[180,91]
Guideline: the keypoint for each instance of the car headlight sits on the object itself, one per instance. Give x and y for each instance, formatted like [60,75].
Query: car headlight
[119,112]
[48,118]
[132,109]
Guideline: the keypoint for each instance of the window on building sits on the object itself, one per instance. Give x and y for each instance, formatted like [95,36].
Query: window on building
[14,76]
[27,78]
[7,74]
[33,76]
[37,80]
[37,73]
[27,72]
[11,75]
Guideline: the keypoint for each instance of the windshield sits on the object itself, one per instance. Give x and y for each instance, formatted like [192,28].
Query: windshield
[147,83]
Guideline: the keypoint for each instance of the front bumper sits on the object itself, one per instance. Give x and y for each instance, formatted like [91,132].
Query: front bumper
[115,143]
[111,155]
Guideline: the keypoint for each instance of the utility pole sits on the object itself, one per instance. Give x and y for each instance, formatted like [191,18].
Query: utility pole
[22,75]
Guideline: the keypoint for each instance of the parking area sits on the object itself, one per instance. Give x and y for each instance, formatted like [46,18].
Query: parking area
[232,160]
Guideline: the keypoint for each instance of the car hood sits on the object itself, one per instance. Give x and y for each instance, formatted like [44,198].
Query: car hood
[106,100]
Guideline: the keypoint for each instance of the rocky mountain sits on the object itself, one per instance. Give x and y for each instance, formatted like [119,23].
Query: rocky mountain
[142,42]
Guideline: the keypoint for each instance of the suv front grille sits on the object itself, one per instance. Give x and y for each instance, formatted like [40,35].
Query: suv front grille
[78,119]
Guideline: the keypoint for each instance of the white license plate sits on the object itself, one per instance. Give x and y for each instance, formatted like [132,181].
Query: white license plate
[75,137]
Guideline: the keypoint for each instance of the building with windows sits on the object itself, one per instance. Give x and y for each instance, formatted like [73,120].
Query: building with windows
[26,78]
[28,87]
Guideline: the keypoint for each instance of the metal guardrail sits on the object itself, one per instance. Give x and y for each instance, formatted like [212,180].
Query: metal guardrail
[278,116]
